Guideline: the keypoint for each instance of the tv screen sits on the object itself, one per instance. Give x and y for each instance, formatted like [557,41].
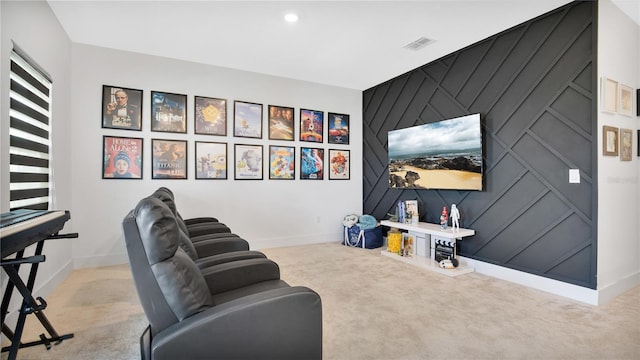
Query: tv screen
[445,154]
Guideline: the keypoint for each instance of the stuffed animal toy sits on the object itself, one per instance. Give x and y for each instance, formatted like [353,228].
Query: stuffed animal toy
[350,220]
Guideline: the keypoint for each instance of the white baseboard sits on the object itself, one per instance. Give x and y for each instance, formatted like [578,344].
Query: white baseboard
[99,261]
[574,292]
[292,241]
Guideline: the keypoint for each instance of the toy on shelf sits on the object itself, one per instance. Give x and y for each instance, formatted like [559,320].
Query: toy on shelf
[444,218]
[455,218]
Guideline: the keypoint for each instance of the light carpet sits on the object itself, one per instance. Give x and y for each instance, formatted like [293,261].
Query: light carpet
[373,308]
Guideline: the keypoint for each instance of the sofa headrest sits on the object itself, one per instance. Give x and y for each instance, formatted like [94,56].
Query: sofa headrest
[158,229]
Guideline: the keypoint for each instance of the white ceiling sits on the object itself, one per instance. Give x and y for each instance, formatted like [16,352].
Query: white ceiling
[351,44]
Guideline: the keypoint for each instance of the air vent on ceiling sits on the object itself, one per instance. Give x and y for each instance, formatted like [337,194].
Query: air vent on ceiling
[418,44]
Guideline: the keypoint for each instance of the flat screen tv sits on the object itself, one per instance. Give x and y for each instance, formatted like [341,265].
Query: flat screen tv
[445,154]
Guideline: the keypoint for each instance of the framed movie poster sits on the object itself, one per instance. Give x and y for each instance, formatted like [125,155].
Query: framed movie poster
[211,160]
[248,162]
[210,116]
[311,163]
[247,119]
[338,128]
[311,125]
[282,162]
[169,159]
[339,164]
[121,158]
[280,123]
[168,112]
[121,108]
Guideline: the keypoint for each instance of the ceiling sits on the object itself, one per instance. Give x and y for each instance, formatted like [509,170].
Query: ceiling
[351,44]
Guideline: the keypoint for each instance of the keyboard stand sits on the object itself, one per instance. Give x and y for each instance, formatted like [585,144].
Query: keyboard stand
[29,304]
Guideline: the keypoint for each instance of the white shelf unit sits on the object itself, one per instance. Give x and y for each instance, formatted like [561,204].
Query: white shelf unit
[426,234]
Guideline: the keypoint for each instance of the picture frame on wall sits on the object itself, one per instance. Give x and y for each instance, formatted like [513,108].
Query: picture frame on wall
[282,162]
[626,100]
[281,123]
[210,116]
[609,141]
[248,162]
[122,157]
[626,144]
[121,108]
[168,159]
[311,125]
[168,112]
[247,119]
[211,160]
[311,163]
[609,93]
[338,128]
[339,164]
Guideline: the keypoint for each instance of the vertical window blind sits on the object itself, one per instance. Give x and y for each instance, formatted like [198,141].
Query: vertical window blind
[29,140]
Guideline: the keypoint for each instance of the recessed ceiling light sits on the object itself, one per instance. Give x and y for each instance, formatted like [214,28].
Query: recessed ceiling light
[291,17]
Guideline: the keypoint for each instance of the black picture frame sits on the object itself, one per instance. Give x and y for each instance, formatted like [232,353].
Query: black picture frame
[311,163]
[311,125]
[638,102]
[247,119]
[338,128]
[281,123]
[210,116]
[168,159]
[211,160]
[282,162]
[168,112]
[339,164]
[248,162]
[122,157]
[121,108]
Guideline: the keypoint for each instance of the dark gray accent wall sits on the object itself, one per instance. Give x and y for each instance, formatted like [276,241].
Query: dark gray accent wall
[535,87]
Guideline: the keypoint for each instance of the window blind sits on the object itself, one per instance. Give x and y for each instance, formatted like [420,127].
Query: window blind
[29,141]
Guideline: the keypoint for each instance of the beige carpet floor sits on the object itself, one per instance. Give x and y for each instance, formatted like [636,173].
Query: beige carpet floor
[374,308]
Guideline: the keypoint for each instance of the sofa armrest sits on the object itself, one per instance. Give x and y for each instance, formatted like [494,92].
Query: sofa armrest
[207,228]
[206,248]
[197,220]
[213,260]
[241,273]
[283,323]
[222,235]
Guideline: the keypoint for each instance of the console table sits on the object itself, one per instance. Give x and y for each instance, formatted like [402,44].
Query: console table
[425,236]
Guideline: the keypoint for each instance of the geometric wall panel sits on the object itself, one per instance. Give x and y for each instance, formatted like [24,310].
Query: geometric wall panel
[534,86]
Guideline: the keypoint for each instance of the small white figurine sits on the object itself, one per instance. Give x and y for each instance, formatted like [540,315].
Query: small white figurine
[455,216]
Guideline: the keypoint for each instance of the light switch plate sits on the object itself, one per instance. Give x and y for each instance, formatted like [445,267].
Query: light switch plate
[574,176]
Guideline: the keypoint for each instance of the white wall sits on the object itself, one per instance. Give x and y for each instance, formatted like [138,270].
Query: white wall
[618,181]
[32,26]
[268,213]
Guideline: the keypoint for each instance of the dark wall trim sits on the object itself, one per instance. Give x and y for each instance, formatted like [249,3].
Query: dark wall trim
[535,87]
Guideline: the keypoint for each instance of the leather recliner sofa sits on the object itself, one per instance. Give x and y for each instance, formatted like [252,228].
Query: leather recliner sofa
[240,310]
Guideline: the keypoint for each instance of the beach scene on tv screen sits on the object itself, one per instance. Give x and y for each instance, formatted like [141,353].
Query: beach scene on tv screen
[441,155]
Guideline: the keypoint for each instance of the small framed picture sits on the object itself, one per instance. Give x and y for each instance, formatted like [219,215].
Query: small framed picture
[339,164]
[282,163]
[408,245]
[121,158]
[609,94]
[311,125]
[211,160]
[281,123]
[247,119]
[168,112]
[210,116]
[169,159]
[311,163]
[338,125]
[248,162]
[609,141]
[626,100]
[626,144]
[121,108]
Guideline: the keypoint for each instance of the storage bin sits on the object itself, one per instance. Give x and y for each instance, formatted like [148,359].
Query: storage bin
[367,239]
